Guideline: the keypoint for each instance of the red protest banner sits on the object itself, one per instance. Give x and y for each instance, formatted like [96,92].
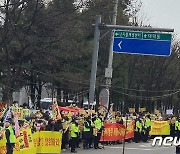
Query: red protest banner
[130,130]
[115,132]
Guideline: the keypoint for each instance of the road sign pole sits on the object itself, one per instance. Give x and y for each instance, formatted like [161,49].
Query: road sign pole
[94,60]
[108,70]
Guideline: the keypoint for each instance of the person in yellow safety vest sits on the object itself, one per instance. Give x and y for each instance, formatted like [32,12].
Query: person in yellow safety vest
[87,132]
[138,130]
[177,128]
[147,127]
[10,136]
[74,135]
[99,126]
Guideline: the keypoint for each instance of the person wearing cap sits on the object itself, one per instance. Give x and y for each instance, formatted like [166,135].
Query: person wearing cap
[10,136]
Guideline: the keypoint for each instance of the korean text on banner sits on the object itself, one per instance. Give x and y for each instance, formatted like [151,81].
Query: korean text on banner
[39,142]
[130,129]
[160,128]
[47,142]
[115,132]
[24,143]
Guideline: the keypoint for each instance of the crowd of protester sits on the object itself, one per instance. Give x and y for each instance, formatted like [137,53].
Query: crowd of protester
[87,127]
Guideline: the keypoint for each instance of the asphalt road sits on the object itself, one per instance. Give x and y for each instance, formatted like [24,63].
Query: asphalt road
[130,148]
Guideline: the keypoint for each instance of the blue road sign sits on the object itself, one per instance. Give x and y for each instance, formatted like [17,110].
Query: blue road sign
[145,43]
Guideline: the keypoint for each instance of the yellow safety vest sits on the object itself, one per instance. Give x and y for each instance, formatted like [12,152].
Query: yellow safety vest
[98,123]
[138,127]
[12,136]
[86,129]
[147,123]
[177,125]
[74,130]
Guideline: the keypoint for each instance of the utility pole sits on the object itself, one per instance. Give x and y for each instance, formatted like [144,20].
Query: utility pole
[94,61]
[108,70]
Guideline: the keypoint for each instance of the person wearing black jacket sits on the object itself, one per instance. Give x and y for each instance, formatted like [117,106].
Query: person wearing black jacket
[87,133]
[10,137]
[74,135]
[50,126]
[65,136]
[58,126]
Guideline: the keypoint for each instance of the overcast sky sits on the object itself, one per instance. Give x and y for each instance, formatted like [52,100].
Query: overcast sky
[162,13]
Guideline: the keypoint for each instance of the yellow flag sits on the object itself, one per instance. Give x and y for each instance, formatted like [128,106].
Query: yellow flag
[56,112]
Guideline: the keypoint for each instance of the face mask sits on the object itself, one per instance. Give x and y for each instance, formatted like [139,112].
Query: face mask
[76,121]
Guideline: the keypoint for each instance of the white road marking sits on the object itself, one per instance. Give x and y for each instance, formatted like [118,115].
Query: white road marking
[142,149]
[146,146]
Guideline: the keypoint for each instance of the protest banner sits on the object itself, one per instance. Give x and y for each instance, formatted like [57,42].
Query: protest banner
[27,142]
[115,132]
[17,111]
[131,110]
[169,112]
[143,109]
[39,142]
[3,147]
[160,128]
[47,142]
[156,112]
[25,113]
[130,129]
